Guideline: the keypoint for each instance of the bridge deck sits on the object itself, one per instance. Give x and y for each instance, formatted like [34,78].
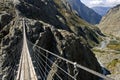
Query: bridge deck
[26,70]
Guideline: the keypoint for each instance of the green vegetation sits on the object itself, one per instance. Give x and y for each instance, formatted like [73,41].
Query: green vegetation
[115,45]
[98,50]
[113,64]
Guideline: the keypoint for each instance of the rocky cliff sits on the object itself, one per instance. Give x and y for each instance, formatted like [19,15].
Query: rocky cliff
[85,12]
[53,23]
[110,23]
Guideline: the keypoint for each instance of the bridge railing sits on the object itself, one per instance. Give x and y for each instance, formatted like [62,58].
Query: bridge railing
[51,61]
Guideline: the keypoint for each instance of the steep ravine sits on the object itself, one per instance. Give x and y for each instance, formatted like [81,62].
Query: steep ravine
[103,45]
[108,55]
[58,30]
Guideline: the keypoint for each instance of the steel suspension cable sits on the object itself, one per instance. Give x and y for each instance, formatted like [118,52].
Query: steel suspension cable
[59,67]
[50,68]
[20,64]
[39,71]
[40,67]
[77,65]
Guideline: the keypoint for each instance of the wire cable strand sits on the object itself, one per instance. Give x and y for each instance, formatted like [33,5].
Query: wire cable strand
[77,65]
[49,68]
[59,67]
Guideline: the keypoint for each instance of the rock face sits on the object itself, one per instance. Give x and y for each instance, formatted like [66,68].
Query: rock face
[4,19]
[110,23]
[84,12]
[52,25]
[69,46]
[61,17]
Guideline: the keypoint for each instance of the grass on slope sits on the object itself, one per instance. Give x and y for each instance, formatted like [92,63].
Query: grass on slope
[115,45]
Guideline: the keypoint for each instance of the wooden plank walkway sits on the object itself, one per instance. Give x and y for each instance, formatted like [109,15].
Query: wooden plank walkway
[26,69]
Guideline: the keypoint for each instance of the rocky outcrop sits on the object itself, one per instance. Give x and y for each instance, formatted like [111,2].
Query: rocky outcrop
[10,36]
[5,18]
[67,45]
[52,25]
[73,49]
[85,12]
[10,51]
[111,21]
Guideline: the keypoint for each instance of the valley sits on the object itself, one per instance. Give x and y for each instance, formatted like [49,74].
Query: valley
[108,54]
[64,39]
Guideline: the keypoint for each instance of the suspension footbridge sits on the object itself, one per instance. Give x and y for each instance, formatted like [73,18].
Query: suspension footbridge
[35,64]
[27,64]
[26,69]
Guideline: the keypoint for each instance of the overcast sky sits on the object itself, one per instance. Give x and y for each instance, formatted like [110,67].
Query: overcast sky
[106,3]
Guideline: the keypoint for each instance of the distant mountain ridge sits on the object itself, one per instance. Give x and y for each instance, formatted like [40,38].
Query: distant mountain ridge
[85,12]
[101,10]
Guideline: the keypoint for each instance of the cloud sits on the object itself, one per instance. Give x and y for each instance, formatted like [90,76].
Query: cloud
[94,2]
[105,3]
[112,2]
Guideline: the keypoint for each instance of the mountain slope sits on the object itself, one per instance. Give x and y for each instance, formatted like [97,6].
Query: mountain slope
[101,10]
[110,23]
[62,17]
[84,12]
[52,25]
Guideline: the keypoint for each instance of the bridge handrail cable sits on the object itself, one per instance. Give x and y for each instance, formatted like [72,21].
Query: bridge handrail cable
[73,63]
[57,65]
[48,65]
